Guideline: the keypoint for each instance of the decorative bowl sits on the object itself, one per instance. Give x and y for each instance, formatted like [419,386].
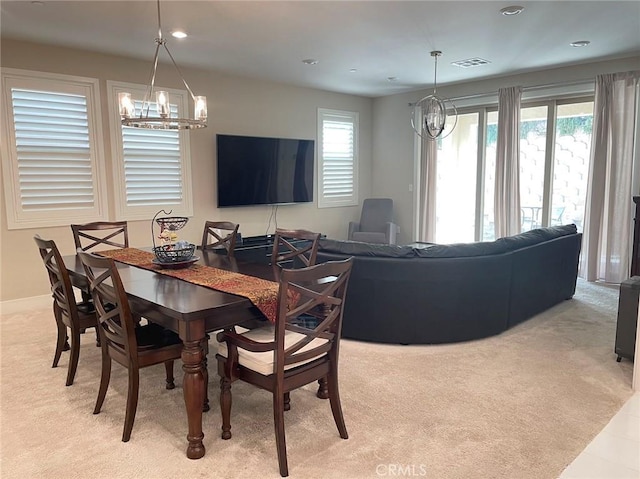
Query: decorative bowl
[172,253]
[172,223]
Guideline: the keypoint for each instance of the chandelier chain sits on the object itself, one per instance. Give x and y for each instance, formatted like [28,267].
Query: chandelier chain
[435,54]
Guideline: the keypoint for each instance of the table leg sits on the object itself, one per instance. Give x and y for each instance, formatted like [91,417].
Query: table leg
[192,358]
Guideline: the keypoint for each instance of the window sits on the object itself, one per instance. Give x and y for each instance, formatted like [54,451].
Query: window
[555,139]
[152,168]
[52,150]
[337,158]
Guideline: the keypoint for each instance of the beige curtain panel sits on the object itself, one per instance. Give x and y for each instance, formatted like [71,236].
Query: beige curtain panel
[606,242]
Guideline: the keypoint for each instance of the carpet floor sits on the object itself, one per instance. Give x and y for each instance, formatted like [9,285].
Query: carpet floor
[521,405]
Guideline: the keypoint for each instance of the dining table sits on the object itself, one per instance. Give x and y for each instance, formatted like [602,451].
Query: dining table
[192,311]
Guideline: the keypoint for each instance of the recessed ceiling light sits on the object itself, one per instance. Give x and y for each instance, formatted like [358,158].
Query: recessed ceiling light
[353,70]
[310,61]
[179,34]
[392,79]
[512,10]
[580,43]
[37,3]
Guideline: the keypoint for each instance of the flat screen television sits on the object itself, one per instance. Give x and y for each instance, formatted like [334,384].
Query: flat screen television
[264,171]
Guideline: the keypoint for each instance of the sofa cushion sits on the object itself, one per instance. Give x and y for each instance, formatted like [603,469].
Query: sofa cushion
[357,248]
[264,362]
[460,250]
[456,250]
[535,236]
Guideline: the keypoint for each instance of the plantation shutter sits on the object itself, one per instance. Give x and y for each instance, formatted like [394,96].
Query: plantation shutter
[152,164]
[53,150]
[152,167]
[338,178]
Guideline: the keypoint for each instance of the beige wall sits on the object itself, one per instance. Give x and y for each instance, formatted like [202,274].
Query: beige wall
[393,139]
[246,106]
[236,106]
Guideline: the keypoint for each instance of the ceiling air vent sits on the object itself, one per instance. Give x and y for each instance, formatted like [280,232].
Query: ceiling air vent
[470,62]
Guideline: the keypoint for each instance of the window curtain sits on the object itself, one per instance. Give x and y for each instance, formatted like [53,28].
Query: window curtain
[428,176]
[606,238]
[507,192]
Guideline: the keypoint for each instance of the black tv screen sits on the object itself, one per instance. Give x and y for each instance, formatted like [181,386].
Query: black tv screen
[264,171]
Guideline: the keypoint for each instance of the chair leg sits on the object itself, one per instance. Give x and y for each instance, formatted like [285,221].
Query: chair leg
[104,380]
[132,402]
[334,399]
[61,343]
[287,402]
[278,421]
[225,407]
[75,354]
[323,392]
[168,366]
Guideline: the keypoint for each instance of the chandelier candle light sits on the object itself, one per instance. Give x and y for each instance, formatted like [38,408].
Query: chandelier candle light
[163,121]
[432,110]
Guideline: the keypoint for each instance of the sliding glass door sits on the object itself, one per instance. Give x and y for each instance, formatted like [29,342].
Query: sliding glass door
[456,184]
[554,165]
[571,163]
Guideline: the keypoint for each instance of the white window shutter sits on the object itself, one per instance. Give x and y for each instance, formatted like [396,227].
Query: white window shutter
[152,166]
[52,174]
[337,169]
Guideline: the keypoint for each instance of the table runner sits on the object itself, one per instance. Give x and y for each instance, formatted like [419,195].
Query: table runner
[262,293]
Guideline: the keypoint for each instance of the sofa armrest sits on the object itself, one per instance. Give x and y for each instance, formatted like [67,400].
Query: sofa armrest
[353,227]
[391,232]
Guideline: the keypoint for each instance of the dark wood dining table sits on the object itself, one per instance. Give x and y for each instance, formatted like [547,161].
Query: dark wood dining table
[191,311]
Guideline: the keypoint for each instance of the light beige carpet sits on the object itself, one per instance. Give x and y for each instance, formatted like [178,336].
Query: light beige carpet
[519,405]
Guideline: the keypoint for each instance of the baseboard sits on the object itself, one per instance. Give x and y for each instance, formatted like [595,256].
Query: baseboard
[25,304]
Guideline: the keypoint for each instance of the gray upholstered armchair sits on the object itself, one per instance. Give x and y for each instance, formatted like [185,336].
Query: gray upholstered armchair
[376,222]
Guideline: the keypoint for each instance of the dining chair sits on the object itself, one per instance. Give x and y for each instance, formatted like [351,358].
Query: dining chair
[220,234]
[285,356]
[90,236]
[130,345]
[293,249]
[297,247]
[101,233]
[68,314]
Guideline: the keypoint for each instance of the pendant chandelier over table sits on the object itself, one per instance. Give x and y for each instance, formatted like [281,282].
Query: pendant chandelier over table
[144,117]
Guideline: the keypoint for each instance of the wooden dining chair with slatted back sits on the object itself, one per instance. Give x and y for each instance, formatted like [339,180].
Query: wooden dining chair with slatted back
[131,346]
[90,236]
[68,314]
[100,235]
[285,356]
[294,248]
[219,235]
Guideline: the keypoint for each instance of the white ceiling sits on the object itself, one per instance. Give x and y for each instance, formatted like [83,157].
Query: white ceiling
[380,39]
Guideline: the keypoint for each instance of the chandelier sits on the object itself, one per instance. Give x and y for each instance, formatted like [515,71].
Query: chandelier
[163,119]
[431,111]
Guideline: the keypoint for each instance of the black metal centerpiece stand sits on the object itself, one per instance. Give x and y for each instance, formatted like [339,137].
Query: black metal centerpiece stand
[171,253]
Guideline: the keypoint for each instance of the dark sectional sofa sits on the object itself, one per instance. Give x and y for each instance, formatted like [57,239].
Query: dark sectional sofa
[428,293]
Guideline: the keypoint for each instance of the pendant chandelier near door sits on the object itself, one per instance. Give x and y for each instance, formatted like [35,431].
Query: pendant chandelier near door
[431,111]
[141,118]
